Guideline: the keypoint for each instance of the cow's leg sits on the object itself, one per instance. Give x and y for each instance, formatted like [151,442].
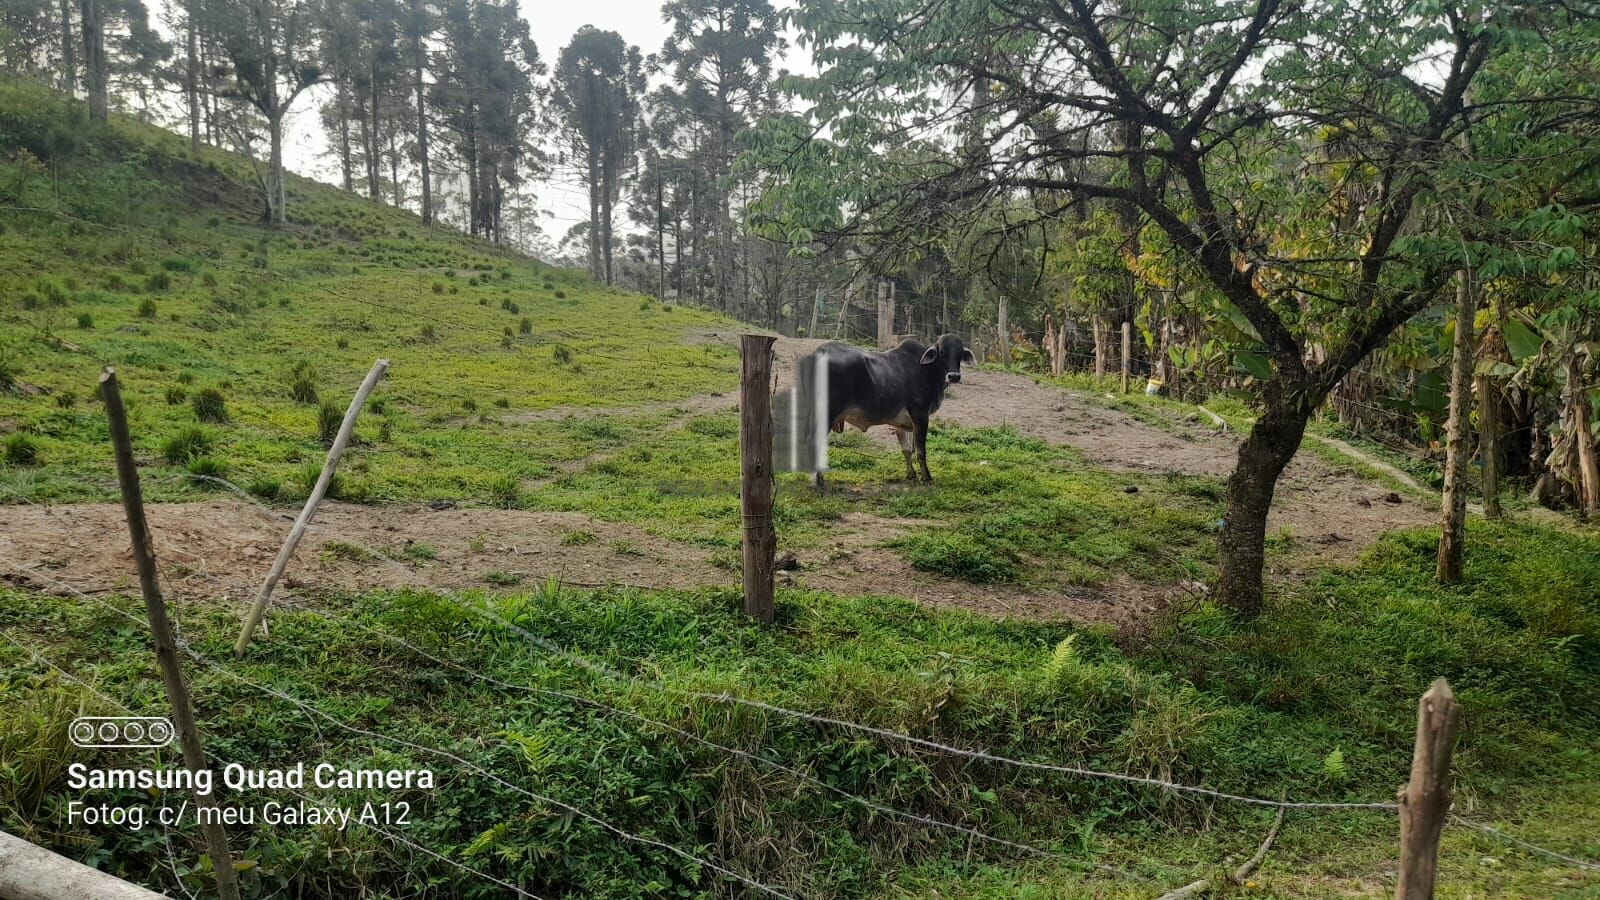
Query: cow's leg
[922,448]
[908,446]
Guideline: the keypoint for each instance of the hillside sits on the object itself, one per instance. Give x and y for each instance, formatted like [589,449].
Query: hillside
[527,585]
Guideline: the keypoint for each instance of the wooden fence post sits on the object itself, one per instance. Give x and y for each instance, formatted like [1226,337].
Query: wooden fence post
[1425,800]
[1127,351]
[755,473]
[342,440]
[155,610]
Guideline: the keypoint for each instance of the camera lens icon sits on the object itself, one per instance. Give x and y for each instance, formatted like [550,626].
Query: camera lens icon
[120,732]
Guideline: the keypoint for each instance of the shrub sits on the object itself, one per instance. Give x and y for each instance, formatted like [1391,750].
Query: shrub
[21,449]
[329,418]
[469,404]
[562,354]
[438,287]
[157,282]
[176,395]
[548,286]
[265,488]
[504,492]
[147,309]
[177,264]
[85,321]
[525,326]
[186,378]
[190,443]
[210,406]
[561,295]
[514,309]
[502,402]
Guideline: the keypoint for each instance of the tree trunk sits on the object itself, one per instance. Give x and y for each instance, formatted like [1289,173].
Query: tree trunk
[1452,527]
[1002,327]
[374,161]
[419,63]
[346,166]
[1262,457]
[191,77]
[594,213]
[276,195]
[69,51]
[661,240]
[96,74]
[1588,480]
[1102,345]
[1489,444]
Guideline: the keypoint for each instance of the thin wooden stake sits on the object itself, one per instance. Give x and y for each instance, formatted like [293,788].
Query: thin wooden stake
[755,473]
[342,440]
[1127,351]
[155,609]
[1425,800]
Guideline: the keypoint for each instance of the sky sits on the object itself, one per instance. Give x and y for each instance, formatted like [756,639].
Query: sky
[563,201]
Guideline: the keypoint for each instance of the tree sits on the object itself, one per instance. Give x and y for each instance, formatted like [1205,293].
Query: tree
[270,46]
[418,25]
[598,84]
[485,95]
[1210,116]
[720,56]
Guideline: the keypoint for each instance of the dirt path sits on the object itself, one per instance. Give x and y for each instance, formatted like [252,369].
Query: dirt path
[221,548]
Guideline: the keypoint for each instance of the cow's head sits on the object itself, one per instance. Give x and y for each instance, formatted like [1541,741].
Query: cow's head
[949,352]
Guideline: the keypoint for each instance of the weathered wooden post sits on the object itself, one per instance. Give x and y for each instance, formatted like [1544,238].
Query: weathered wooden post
[342,440]
[1425,800]
[1127,351]
[755,473]
[161,631]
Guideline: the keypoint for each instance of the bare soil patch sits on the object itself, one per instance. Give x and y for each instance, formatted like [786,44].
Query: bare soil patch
[222,548]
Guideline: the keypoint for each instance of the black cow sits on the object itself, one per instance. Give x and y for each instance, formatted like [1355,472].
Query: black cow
[900,388]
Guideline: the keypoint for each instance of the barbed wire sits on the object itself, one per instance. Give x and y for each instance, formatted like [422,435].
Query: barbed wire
[310,709]
[706,742]
[167,829]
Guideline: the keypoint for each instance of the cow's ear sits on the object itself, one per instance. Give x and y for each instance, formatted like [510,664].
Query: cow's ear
[967,357]
[929,355]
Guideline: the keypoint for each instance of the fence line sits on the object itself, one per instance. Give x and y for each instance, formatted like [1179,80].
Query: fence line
[601,669]
[732,751]
[466,763]
[167,829]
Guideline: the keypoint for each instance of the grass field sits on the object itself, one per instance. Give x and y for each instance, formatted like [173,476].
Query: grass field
[124,248]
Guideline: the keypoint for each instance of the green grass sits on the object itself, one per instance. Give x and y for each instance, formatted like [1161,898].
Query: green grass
[237,309]
[1316,701]
[1013,509]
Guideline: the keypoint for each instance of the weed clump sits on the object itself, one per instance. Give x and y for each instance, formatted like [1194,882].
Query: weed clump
[525,326]
[303,382]
[504,492]
[176,395]
[85,321]
[147,308]
[205,468]
[957,555]
[21,449]
[190,443]
[210,406]
[329,418]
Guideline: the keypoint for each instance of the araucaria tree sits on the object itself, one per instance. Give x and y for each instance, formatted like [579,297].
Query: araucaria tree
[1293,156]
[720,57]
[599,83]
[271,47]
